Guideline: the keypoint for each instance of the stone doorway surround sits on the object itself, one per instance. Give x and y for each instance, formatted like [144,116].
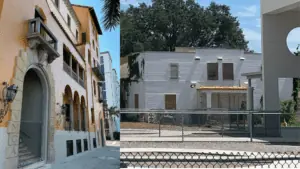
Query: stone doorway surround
[24,61]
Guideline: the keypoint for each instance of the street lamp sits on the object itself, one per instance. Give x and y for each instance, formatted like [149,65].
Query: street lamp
[9,93]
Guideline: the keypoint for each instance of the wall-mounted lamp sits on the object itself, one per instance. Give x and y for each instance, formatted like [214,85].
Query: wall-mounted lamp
[9,93]
[220,58]
[197,57]
[242,58]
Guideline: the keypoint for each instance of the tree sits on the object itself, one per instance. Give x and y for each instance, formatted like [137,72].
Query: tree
[111,10]
[170,23]
[287,112]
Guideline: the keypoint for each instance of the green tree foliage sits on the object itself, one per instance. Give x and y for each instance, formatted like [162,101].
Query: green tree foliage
[111,10]
[287,111]
[170,23]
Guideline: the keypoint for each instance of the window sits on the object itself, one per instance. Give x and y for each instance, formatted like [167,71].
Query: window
[68,113]
[69,21]
[69,148]
[212,71]
[94,83]
[97,52]
[93,115]
[78,146]
[102,69]
[85,144]
[66,55]
[228,71]
[174,71]
[170,102]
[101,60]
[103,86]
[136,101]
[104,94]
[94,142]
[83,37]
[94,63]
[76,34]
[94,44]
[57,3]
[89,57]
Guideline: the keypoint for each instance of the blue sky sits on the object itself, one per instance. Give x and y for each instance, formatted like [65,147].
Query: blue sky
[248,13]
[110,40]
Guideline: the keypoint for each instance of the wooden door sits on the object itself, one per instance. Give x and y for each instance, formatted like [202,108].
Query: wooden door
[170,102]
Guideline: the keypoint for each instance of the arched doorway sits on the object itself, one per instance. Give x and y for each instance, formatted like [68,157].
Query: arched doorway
[82,114]
[34,118]
[76,106]
[68,104]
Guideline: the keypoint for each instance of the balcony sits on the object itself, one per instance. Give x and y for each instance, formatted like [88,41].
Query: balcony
[41,38]
[73,74]
[98,72]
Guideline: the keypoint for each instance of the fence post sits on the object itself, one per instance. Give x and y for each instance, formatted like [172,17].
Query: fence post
[159,119]
[182,121]
[250,127]
[222,118]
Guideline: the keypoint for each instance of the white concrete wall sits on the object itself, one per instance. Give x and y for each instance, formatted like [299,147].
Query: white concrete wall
[156,82]
[268,6]
[108,78]
[60,139]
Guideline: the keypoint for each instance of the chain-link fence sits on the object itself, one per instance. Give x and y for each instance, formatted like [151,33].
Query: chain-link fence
[200,123]
[209,160]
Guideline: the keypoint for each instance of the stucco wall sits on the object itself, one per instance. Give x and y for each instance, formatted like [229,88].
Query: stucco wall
[268,6]
[156,82]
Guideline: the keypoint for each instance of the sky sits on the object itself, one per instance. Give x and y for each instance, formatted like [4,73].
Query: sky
[110,40]
[248,13]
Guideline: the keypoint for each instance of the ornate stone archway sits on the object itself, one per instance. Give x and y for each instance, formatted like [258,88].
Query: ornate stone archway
[23,62]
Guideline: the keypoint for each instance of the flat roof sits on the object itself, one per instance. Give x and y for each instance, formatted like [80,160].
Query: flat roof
[252,75]
[222,88]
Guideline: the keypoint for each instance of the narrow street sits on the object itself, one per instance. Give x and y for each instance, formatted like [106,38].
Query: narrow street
[107,157]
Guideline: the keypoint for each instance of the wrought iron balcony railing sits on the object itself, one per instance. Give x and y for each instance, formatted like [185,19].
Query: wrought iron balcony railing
[98,72]
[41,38]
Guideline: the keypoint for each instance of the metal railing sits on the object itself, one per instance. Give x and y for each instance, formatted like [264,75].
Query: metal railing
[36,26]
[162,159]
[199,123]
[73,74]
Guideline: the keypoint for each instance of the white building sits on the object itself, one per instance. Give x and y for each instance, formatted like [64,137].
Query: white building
[167,78]
[278,61]
[106,67]
[116,89]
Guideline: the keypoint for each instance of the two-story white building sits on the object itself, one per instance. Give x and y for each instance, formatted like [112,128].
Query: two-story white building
[214,74]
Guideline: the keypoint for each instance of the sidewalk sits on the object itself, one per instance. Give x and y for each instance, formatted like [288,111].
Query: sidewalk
[107,157]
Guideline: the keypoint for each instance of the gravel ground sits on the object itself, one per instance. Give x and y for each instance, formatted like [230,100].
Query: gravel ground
[235,146]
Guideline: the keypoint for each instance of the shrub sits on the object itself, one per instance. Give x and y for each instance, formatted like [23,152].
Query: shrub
[287,111]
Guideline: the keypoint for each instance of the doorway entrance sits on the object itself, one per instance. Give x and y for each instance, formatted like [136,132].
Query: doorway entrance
[33,125]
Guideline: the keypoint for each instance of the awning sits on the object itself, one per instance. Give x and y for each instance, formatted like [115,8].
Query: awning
[222,88]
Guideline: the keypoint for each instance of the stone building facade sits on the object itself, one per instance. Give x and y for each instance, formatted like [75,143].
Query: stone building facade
[50,50]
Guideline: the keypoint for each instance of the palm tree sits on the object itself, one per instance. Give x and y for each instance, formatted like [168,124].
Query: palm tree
[112,111]
[111,11]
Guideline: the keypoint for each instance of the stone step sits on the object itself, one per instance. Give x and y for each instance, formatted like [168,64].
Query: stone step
[24,153]
[27,157]
[28,161]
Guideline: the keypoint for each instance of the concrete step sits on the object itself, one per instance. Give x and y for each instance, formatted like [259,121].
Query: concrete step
[27,157]
[28,161]
[24,153]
